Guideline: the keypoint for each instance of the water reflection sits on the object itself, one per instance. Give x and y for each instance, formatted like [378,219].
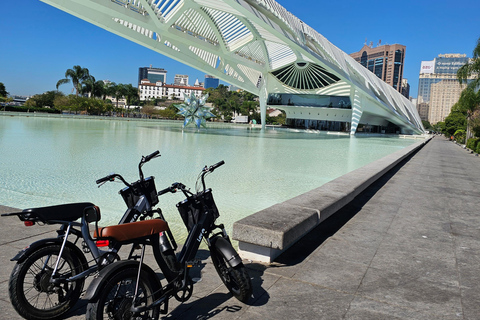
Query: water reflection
[47,161]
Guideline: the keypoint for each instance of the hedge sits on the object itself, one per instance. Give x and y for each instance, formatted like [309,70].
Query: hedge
[472,143]
[30,109]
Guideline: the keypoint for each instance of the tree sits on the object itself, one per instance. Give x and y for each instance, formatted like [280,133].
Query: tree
[43,100]
[469,101]
[471,68]
[92,87]
[426,125]
[131,94]
[468,104]
[453,122]
[77,75]
[3,91]
[118,92]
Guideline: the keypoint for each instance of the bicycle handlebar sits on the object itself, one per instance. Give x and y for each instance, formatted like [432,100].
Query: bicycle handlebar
[173,188]
[151,156]
[144,160]
[106,178]
[215,166]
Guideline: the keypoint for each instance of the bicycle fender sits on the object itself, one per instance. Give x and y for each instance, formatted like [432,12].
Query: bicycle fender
[98,283]
[30,249]
[226,248]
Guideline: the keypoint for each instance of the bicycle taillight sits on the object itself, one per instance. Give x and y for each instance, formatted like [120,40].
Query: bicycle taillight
[102,243]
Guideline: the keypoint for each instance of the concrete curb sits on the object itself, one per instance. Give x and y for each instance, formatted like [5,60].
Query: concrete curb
[264,235]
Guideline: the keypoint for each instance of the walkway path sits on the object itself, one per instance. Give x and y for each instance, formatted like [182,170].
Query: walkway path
[406,248]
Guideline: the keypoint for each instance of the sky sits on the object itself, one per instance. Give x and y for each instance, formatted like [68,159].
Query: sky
[38,43]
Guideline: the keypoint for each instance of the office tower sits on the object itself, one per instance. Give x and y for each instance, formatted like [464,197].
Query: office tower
[180,80]
[386,62]
[443,95]
[211,82]
[444,67]
[152,74]
[438,86]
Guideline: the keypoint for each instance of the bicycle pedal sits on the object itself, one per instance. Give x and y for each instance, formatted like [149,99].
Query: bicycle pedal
[196,280]
[194,263]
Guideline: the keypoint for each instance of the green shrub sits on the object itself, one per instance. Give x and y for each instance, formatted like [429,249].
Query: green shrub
[30,109]
[472,143]
[478,148]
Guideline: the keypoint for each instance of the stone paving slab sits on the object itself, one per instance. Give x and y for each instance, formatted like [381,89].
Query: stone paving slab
[408,247]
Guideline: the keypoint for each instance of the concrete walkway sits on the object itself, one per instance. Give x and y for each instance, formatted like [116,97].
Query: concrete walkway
[407,248]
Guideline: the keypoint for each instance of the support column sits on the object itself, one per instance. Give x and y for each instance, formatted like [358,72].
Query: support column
[263,102]
[357,110]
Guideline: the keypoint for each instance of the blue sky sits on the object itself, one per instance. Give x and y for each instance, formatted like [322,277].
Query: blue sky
[39,42]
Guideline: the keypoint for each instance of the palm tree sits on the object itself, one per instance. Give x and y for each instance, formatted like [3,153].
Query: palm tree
[470,97]
[87,86]
[77,75]
[119,91]
[92,87]
[471,68]
[131,94]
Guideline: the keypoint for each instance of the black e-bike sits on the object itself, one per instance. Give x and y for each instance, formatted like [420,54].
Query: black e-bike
[49,274]
[129,289]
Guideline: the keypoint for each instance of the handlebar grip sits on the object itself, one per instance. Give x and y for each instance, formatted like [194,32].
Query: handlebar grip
[107,178]
[153,155]
[166,190]
[216,165]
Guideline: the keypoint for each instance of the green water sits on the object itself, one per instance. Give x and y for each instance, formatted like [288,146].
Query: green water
[47,161]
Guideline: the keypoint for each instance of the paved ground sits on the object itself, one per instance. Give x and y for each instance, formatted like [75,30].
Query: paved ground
[407,248]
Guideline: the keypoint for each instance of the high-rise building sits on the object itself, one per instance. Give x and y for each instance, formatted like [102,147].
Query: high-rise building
[438,86]
[444,67]
[211,82]
[405,88]
[422,109]
[180,80]
[443,95]
[386,62]
[152,74]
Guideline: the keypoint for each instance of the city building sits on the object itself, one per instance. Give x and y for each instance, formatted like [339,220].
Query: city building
[422,109]
[181,80]
[405,88]
[199,84]
[443,95]
[148,90]
[386,62]
[441,69]
[211,82]
[152,74]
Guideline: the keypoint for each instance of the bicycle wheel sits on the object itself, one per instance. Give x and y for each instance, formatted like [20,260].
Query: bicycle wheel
[236,279]
[33,295]
[116,298]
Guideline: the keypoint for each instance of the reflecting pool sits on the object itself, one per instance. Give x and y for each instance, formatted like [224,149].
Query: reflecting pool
[48,161]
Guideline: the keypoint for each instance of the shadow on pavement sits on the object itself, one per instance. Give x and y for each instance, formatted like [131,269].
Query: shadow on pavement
[311,241]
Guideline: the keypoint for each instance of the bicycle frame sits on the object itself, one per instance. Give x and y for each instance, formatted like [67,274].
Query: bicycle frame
[177,281]
[141,208]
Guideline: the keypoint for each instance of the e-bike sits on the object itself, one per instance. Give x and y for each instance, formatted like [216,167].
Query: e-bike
[49,274]
[129,289]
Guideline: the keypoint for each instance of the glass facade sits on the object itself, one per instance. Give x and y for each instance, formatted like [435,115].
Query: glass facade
[319,125]
[152,74]
[211,83]
[445,68]
[309,100]
[386,62]
[397,69]
[376,63]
